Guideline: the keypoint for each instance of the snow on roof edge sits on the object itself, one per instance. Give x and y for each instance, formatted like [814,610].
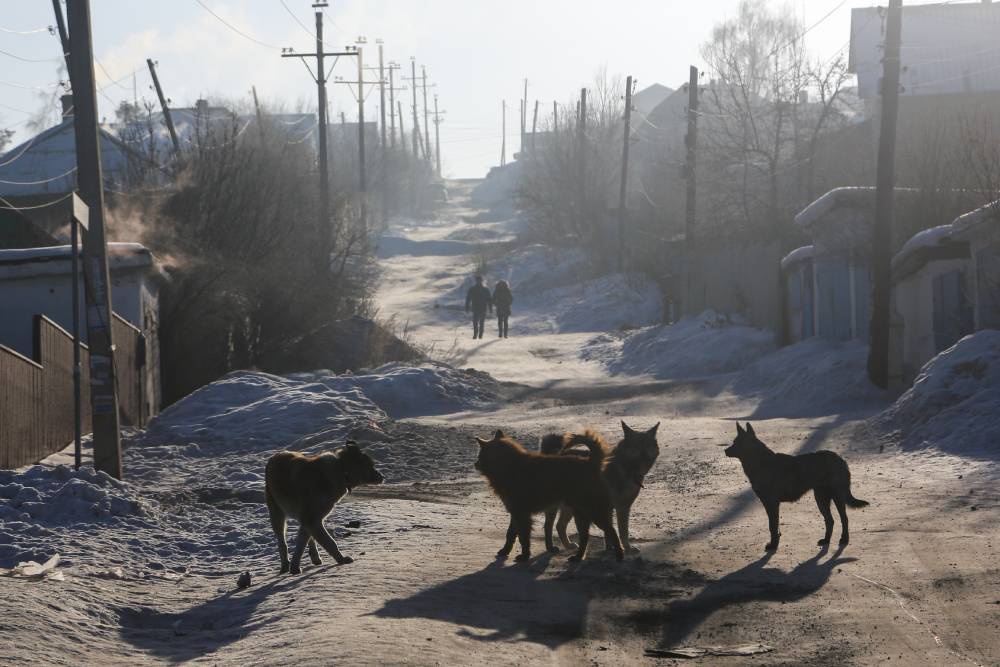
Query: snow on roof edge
[797,255]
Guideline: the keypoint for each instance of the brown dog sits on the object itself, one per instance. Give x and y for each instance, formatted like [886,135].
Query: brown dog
[630,461]
[306,488]
[530,482]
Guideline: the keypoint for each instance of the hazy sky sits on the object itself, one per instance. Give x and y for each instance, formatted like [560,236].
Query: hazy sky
[476,51]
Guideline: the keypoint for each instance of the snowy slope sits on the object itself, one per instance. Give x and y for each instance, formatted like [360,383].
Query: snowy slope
[694,347]
[954,404]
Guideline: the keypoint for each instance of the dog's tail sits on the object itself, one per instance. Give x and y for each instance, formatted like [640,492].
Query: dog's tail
[854,502]
[554,443]
[600,452]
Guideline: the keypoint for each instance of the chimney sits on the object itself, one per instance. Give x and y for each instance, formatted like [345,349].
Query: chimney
[67,106]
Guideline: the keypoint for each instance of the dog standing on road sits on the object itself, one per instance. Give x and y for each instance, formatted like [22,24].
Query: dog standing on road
[630,461]
[780,478]
[306,488]
[531,482]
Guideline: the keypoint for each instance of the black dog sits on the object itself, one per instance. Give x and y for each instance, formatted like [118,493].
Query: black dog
[781,478]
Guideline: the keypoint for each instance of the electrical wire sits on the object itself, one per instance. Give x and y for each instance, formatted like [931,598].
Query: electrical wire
[235,29]
[11,207]
[47,29]
[28,60]
[42,182]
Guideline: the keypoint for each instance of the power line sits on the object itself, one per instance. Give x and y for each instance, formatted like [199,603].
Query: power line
[235,29]
[28,60]
[24,87]
[47,29]
[41,182]
[11,207]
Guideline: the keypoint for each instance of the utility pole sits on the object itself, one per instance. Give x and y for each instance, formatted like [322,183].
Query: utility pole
[885,184]
[534,127]
[581,131]
[320,77]
[362,167]
[623,191]
[524,115]
[381,89]
[90,183]
[437,134]
[163,105]
[402,134]
[392,105]
[503,135]
[691,198]
[260,116]
[63,37]
[555,117]
[427,128]
[416,121]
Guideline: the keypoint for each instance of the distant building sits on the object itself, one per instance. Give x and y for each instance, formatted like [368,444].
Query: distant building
[37,281]
[947,48]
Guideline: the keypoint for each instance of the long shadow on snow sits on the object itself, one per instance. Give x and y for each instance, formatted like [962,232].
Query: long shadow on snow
[205,628]
[751,583]
[508,602]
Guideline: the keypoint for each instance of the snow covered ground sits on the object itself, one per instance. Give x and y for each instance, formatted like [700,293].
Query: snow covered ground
[148,567]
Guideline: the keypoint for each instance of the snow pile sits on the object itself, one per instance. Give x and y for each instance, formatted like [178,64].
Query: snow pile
[498,188]
[954,402]
[694,347]
[811,378]
[401,390]
[61,495]
[260,409]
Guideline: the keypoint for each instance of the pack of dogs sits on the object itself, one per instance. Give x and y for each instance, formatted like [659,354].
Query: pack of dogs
[570,477]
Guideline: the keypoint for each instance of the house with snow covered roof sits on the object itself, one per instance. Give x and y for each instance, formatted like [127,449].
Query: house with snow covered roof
[37,281]
[947,285]
[41,171]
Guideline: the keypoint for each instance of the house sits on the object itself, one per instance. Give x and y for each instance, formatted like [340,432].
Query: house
[946,286]
[42,170]
[37,281]
[948,48]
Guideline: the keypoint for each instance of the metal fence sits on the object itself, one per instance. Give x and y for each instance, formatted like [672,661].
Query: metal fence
[36,395]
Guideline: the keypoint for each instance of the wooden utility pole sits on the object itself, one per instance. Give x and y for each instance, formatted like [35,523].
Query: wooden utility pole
[90,183]
[885,184]
[362,167]
[402,134]
[427,127]
[61,26]
[581,132]
[167,119]
[555,117]
[524,116]
[623,190]
[534,127]
[392,106]
[437,134]
[503,135]
[381,90]
[325,246]
[260,115]
[690,173]
[416,121]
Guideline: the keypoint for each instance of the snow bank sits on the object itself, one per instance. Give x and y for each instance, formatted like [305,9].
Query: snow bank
[61,495]
[694,347]
[811,378]
[401,390]
[954,402]
[255,408]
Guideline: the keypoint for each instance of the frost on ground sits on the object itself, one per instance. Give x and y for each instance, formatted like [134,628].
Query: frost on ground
[811,378]
[954,403]
[709,344]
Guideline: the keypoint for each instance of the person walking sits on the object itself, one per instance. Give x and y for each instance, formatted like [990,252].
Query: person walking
[478,300]
[502,300]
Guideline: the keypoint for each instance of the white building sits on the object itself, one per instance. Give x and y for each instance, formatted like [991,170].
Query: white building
[37,281]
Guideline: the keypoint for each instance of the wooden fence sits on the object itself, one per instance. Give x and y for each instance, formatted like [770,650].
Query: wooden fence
[36,395]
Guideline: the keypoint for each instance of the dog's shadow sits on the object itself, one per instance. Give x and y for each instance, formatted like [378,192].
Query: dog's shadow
[503,602]
[751,583]
[205,628]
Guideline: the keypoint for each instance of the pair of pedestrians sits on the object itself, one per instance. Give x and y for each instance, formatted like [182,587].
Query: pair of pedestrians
[479,300]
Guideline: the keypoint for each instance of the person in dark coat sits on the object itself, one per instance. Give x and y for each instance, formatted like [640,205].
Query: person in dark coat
[478,300]
[502,300]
